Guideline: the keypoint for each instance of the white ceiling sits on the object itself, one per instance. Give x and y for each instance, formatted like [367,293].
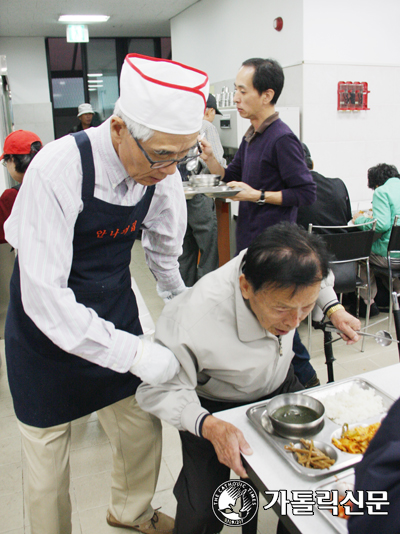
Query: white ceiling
[128,18]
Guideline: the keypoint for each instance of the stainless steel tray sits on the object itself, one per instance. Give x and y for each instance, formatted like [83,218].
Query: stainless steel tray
[217,191]
[341,482]
[258,416]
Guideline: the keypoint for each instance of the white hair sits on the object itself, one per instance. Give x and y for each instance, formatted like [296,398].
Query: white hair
[141,132]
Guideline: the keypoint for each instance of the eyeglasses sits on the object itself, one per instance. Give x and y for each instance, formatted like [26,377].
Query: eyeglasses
[168,162]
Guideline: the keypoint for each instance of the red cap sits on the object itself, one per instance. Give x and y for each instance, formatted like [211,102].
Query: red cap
[19,142]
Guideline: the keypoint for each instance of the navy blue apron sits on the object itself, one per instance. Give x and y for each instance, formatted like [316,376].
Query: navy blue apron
[50,386]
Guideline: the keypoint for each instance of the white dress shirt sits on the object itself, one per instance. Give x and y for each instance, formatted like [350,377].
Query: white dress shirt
[212,136]
[41,228]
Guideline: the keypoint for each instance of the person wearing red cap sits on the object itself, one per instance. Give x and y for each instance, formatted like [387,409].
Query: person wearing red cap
[20,148]
[74,342]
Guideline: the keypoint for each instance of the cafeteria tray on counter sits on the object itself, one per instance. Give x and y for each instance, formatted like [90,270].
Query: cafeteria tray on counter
[259,417]
[341,482]
[217,191]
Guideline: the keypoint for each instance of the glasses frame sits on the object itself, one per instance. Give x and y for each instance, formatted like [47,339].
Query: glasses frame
[167,162]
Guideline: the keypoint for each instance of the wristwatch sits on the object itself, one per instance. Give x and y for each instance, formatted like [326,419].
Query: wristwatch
[261,200]
[334,309]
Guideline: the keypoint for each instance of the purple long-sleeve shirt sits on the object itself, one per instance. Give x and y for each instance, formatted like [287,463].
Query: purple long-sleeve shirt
[271,159]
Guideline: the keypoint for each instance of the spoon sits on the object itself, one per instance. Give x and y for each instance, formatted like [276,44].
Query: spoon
[192,164]
[383,337]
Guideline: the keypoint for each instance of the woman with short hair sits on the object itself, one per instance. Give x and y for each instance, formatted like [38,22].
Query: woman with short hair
[385,181]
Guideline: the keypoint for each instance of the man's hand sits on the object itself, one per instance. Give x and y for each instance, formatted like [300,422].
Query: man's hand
[228,442]
[252,195]
[348,324]
[207,155]
[206,150]
[247,193]
[154,363]
[170,294]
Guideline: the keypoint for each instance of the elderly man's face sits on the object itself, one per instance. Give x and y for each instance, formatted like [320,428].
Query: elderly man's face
[161,146]
[277,309]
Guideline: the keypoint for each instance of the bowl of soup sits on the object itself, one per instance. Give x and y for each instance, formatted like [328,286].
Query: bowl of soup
[294,415]
[204,180]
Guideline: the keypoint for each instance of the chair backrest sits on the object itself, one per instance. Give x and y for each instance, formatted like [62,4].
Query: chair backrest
[394,240]
[352,245]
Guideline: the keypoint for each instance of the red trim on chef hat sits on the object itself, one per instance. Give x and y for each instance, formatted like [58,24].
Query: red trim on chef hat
[164,95]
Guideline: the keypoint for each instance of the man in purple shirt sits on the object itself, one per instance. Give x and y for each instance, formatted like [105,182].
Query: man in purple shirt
[269,165]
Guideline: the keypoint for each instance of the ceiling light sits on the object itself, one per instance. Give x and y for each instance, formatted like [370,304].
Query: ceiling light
[83,19]
[92,75]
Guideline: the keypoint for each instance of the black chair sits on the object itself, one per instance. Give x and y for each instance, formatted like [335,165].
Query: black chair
[396,317]
[391,271]
[349,245]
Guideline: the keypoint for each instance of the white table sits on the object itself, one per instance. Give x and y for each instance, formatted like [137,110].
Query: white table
[270,471]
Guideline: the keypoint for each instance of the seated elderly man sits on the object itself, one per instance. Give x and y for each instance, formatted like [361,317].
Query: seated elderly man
[233,334]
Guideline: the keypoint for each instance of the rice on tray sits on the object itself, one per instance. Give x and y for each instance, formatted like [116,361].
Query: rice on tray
[353,405]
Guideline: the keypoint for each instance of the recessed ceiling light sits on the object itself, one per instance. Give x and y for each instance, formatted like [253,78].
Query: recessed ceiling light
[84,19]
[93,75]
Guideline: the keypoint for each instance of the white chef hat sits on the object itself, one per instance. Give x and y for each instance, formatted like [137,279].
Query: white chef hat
[163,95]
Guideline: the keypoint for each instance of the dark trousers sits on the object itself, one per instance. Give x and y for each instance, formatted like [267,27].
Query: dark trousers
[201,236]
[301,360]
[202,473]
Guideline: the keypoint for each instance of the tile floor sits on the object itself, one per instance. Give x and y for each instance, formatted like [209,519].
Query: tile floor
[91,453]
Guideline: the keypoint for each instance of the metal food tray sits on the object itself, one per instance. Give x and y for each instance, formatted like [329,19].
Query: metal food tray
[341,482]
[216,191]
[259,417]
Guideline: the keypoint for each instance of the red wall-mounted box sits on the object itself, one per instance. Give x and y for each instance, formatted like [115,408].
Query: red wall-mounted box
[352,96]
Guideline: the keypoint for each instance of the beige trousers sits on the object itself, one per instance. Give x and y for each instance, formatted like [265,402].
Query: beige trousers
[135,438]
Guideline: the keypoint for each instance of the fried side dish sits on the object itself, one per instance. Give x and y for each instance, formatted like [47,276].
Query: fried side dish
[341,512]
[310,456]
[356,440]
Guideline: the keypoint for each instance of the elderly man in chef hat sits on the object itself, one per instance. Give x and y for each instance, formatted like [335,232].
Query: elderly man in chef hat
[74,341]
